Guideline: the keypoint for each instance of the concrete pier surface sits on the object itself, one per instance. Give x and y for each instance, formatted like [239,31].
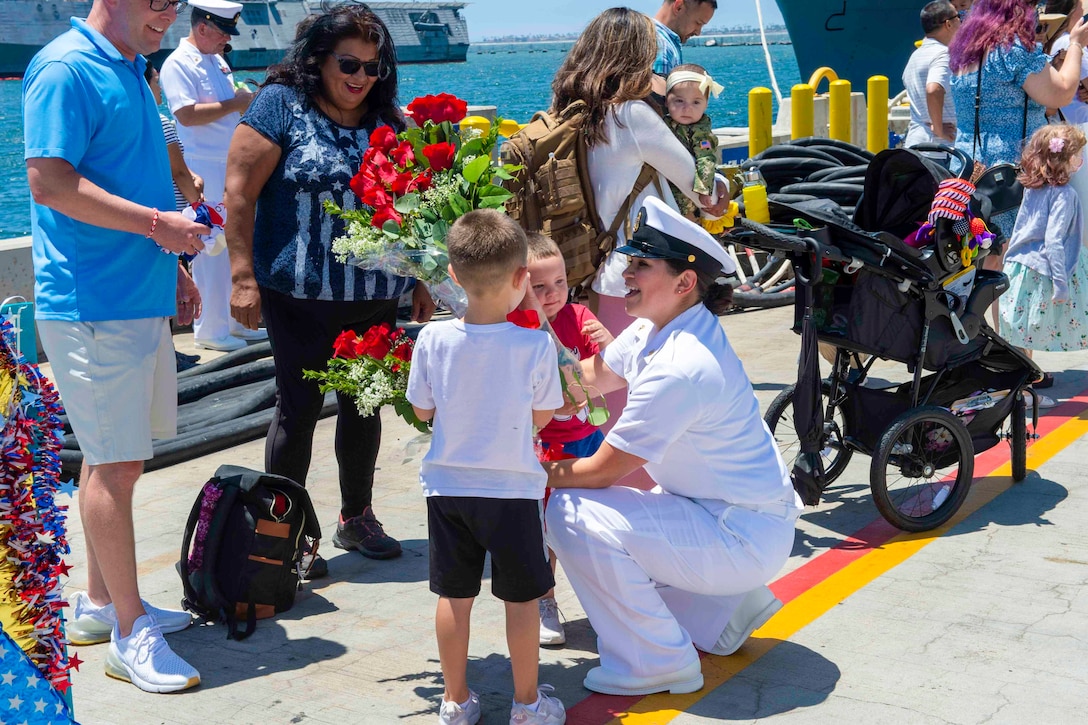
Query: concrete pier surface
[984,620]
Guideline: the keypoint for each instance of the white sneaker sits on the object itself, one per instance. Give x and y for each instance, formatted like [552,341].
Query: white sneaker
[551,629]
[251,335]
[146,660]
[548,710]
[464,713]
[757,607]
[92,624]
[1045,401]
[227,343]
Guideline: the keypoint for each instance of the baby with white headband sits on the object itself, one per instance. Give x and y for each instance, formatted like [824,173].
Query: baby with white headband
[687,90]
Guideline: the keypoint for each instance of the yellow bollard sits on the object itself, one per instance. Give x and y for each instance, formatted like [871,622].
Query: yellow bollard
[802,111]
[877,127]
[477,122]
[508,127]
[759,120]
[840,111]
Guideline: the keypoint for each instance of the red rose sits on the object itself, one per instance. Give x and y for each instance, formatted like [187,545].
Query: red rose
[376,197]
[346,345]
[440,155]
[384,138]
[385,214]
[424,179]
[387,173]
[375,342]
[404,183]
[443,107]
[403,351]
[403,155]
[373,156]
[525,318]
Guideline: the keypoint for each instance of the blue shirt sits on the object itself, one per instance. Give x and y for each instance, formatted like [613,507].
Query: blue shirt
[1047,235]
[293,234]
[669,54]
[83,102]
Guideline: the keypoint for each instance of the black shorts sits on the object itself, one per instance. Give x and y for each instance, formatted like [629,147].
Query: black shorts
[462,530]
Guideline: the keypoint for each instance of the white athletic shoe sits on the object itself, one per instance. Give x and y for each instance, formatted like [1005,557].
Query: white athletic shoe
[92,624]
[607,682]
[251,335]
[549,710]
[757,607]
[146,660]
[227,343]
[551,629]
[460,713]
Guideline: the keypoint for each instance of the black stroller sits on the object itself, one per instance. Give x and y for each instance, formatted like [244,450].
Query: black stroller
[870,296]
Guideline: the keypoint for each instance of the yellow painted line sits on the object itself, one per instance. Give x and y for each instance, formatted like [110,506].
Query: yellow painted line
[809,606]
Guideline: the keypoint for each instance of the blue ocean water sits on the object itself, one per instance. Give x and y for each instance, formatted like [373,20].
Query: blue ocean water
[516,78]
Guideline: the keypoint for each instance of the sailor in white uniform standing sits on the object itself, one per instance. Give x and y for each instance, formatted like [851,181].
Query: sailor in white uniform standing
[686,562]
[199,89]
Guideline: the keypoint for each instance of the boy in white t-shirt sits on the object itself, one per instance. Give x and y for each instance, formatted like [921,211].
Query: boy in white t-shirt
[487,384]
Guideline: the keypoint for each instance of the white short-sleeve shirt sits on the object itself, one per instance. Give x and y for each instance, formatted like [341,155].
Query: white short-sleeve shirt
[189,77]
[1077,111]
[692,414]
[928,64]
[484,382]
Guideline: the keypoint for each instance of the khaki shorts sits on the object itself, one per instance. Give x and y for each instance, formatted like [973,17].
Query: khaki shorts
[117,380]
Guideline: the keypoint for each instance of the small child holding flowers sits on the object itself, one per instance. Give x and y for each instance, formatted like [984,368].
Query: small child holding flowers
[487,384]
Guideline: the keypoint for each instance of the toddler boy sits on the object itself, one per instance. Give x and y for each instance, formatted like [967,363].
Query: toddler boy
[581,333]
[487,383]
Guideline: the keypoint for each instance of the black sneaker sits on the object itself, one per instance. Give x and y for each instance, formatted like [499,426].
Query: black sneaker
[365,534]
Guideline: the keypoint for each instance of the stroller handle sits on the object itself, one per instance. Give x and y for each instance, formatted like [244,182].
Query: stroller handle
[967,165]
[769,239]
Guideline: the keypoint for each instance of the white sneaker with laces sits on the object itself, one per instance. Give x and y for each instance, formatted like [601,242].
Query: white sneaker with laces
[460,713]
[92,624]
[551,629]
[146,660]
[548,710]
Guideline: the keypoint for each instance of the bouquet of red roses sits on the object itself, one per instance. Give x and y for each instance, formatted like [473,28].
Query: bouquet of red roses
[413,186]
[373,370]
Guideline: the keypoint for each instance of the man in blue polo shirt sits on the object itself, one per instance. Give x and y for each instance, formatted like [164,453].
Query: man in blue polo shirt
[106,283]
[676,21]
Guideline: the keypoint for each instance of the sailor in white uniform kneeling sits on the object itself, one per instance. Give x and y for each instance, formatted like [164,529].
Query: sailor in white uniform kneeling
[686,562]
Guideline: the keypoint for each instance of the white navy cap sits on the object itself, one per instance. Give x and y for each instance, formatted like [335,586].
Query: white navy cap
[222,13]
[662,233]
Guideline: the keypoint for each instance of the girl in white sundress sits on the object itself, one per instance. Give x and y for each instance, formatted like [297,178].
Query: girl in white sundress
[1046,305]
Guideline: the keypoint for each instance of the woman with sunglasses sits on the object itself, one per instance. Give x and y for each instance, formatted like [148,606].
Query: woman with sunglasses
[300,143]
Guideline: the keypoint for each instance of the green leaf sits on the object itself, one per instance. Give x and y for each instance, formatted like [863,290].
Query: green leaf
[391,228]
[502,173]
[459,205]
[439,231]
[332,207]
[475,147]
[428,215]
[407,203]
[475,168]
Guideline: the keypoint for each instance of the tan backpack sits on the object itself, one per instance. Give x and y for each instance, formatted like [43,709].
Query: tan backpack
[553,194]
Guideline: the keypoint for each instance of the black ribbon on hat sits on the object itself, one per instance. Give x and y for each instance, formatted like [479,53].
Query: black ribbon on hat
[656,243]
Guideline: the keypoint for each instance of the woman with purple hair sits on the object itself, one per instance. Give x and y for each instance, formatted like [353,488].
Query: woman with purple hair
[996,50]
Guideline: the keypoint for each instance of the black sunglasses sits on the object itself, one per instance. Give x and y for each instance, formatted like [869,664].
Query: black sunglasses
[160,5]
[351,66]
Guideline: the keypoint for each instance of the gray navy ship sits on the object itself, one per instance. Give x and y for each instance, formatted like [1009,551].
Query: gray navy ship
[424,32]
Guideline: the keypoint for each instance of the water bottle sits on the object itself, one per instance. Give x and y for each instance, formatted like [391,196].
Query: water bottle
[755,197]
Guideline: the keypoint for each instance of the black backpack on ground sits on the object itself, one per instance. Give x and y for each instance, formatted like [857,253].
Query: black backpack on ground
[243,543]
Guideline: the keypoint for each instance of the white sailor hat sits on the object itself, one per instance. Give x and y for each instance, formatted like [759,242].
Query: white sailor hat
[222,13]
[662,233]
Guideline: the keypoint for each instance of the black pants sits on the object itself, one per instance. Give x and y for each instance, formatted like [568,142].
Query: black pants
[302,333]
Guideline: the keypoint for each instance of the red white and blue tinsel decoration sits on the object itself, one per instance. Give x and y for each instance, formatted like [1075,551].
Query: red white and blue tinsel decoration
[34,661]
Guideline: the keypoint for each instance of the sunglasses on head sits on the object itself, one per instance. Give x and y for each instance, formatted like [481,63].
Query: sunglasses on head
[350,66]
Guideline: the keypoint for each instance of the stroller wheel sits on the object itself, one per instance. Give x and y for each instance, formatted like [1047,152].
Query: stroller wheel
[922,469]
[836,455]
[1018,438]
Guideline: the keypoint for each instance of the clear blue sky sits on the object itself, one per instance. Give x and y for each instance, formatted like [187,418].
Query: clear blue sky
[489,18]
